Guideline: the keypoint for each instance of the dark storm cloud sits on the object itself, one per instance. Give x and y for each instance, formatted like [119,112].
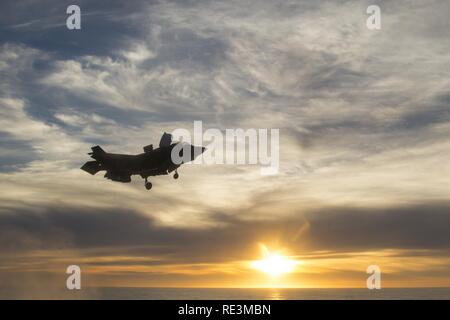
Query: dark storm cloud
[129,233]
[414,227]
[126,231]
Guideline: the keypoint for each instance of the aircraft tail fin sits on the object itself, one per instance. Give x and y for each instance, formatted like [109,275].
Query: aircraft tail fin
[166,140]
[91,167]
[97,149]
[97,152]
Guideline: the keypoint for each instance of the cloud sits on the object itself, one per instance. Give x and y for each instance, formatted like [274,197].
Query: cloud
[415,227]
[363,118]
[125,245]
[348,111]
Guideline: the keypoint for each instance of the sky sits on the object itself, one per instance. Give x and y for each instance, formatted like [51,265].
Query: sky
[364,122]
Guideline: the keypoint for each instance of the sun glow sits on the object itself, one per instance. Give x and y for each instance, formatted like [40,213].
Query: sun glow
[274,263]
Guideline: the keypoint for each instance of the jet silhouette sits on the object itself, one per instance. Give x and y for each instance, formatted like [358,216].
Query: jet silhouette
[153,162]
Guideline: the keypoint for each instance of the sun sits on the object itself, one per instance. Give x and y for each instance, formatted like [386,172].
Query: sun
[274,264]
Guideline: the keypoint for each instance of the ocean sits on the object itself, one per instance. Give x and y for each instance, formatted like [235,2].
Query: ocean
[272,294]
[114,293]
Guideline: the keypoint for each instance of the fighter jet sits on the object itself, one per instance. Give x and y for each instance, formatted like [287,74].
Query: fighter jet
[153,162]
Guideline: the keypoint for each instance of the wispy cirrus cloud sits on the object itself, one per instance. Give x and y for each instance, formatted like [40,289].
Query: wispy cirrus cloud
[363,116]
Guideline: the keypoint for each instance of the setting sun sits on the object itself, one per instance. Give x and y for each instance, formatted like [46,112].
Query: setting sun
[274,264]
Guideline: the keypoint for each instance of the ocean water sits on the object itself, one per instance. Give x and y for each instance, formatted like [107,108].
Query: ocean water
[272,294]
[236,294]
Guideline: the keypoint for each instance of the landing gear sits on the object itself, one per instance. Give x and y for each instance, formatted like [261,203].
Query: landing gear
[175,176]
[148,184]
